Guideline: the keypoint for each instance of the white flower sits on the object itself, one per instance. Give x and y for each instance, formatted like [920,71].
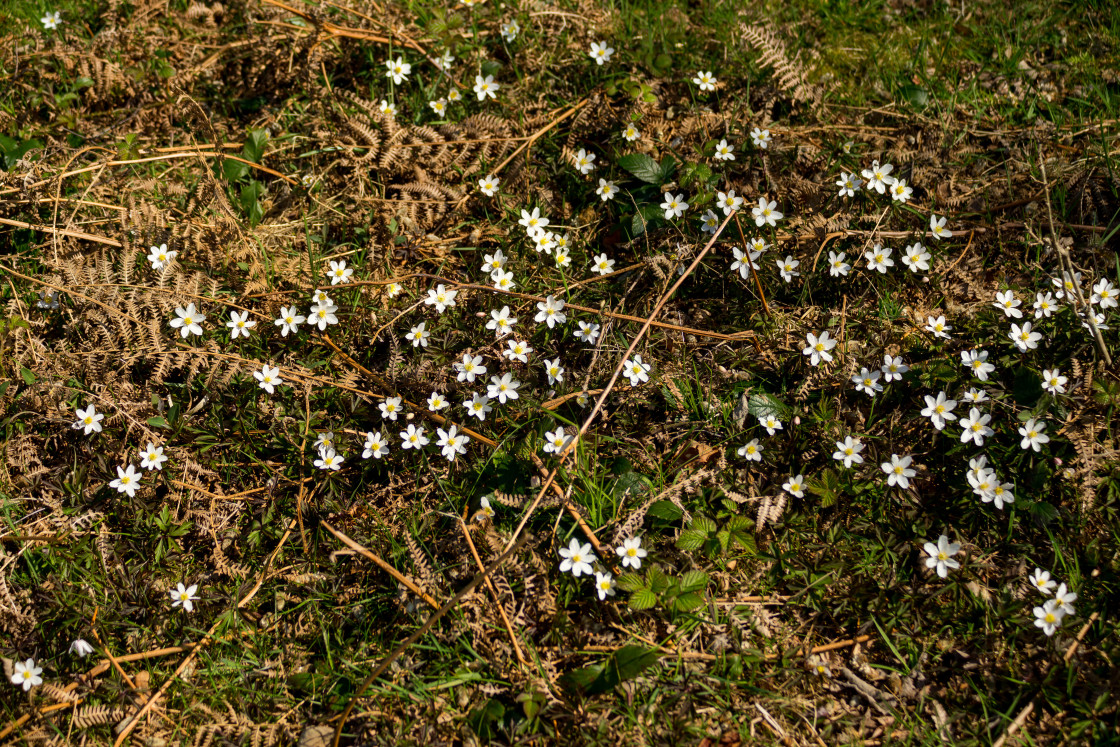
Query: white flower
[554,371]
[600,52]
[391,408]
[916,257]
[484,87]
[760,138]
[419,335]
[511,30]
[329,460]
[577,558]
[48,299]
[1098,320]
[636,371]
[975,396]
[49,21]
[323,440]
[556,441]
[766,213]
[631,133]
[900,192]
[503,281]
[188,321]
[983,482]
[551,312]
[1043,305]
[724,152]
[770,423]
[441,298]
[709,222]
[239,324]
[436,402]
[1041,580]
[837,267]
[453,96]
[89,420]
[533,221]
[588,332]
[495,261]
[867,381]
[152,457]
[268,378]
[999,494]
[604,584]
[128,481]
[161,257]
[878,177]
[977,362]
[81,647]
[848,184]
[543,241]
[602,265]
[518,350]
[24,673]
[1067,286]
[705,80]
[397,69]
[387,108]
[879,258]
[1023,337]
[489,185]
[1065,599]
[375,446]
[674,207]
[1053,381]
[289,320]
[975,427]
[1008,304]
[504,388]
[445,60]
[393,290]
[322,315]
[585,162]
[818,347]
[485,511]
[729,202]
[1105,294]
[939,410]
[184,596]
[938,229]
[439,106]
[1048,617]
[795,486]
[320,298]
[477,406]
[898,471]
[744,262]
[413,438]
[1033,435]
[606,190]
[751,450]
[848,451]
[469,367]
[941,555]
[787,268]
[340,273]
[631,553]
[893,368]
[938,327]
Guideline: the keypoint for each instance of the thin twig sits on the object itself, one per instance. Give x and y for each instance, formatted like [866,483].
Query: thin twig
[376,560]
[493,594]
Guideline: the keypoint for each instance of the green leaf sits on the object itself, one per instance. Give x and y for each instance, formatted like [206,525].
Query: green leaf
[668,166]
[642,166]
[638,225]
[688,602]
[630,581]
[158,422]
[254,146]
[764,405]
[630,661]
[916,95]
[704,524]
[234,170]
[28,375]
[826,486]
[656,579]
[693,581]
[691,540]
[642,599]
[665,510]
[1027,387]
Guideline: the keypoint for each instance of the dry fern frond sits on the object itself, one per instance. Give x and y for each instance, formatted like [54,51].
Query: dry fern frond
[790,74]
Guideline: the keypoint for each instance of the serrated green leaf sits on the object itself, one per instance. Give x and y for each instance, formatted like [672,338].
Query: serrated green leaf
[703,523]
[693,581]
[642,599]
[691,540]
[666,510]
[745,541]
[656,579]
[688,602]
[724,538]
[739,523]
[630,661]
[630,581]
[642,166]
[764,405]
[638,225]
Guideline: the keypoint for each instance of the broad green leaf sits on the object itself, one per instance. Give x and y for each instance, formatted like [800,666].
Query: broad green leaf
[28,375]
[255,144]
[666,510]
[656,579]
[693,581]
[764,405]
[630,581]
[688,602]
[158,422]
[642,166]
[642,599]
[691,540]
[630,661]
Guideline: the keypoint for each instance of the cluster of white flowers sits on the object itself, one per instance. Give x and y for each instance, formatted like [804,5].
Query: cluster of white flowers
[579,559]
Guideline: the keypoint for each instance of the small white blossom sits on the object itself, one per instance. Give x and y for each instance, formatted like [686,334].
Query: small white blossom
[1008,304]
[760,138]
[184,596]
[600,52]
[518,350]
[1053,381]
[289,320]
[848,184]
[606,190]
[1033,435]
[848,451]
[636,371]
[268,378]
[161,257]
[329,460]
[705,80]
[1023,337]
[489,185]
[766,214]
[893,368]
[340,273]
[941,555]
[898,471]
[795,486]
[916,257]
[938,327]
[89,420]
[441,298]
[867,381]
[631,553]
[152,457]
[128,481]
[724,152]
[1041,581]
[674,207]
[751,451]
[975,427]
[837,266]
[188,321]
[788,268]
[484,87]
[477,406]
[554,371]
[397,69]
[939,410]
[551,312]
[977,362]
[24,673]
[938,229]
[577,558]
[879,258]
[503,388]
[818,348]
[585,162]
[436,402]
[588,332]
[419,335]
[878,177]
[556,441]
[391,408]
[375,446]
[413,438]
